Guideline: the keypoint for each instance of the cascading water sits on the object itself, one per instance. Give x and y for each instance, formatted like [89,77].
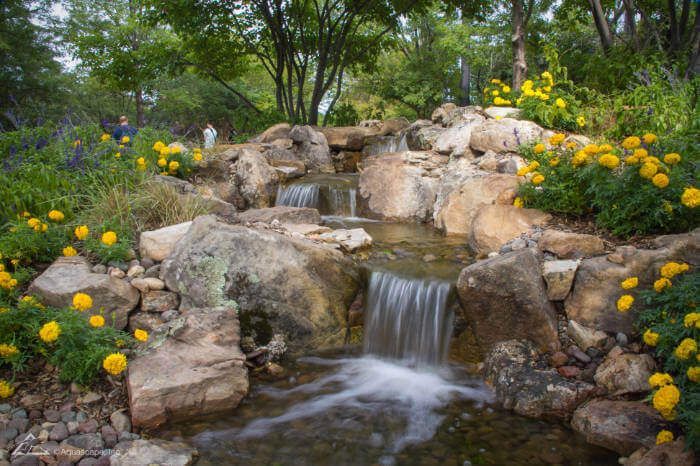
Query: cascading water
[331,194]
[343,201]
[387,144]
[298,195]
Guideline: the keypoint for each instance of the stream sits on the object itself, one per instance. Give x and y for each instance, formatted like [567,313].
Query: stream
[397,400]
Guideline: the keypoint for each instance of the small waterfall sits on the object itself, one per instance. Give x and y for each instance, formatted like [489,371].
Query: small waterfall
[387,144]
[343,201]
[298,195]
[407,319]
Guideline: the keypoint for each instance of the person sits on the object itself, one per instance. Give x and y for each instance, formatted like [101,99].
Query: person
[209,136]
[124,129]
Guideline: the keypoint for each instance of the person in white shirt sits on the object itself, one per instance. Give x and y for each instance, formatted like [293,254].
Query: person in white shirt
[210,135]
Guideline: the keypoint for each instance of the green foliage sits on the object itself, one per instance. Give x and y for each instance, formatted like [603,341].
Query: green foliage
[344,114]
[26,243]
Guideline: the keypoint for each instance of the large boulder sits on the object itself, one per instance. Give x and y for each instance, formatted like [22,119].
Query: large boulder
[278,131]
[283,214]
[457,171]
[458,209]
[502,112]
[312,148]
[400,186]
[667,454]
[422,135]
[621,426]
[158,244]
[496,224]
[282,285]
[346,137]
[393,126]
[257,180]
[571,245]
[510,367]
[505,298]
[621,374]
[112,297]
[454,140]
[199,370]
[597,283]
[152,452]
[504,135]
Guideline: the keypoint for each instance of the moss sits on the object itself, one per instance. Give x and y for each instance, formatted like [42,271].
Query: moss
[211,272]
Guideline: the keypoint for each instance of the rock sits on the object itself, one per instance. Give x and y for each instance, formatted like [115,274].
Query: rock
[494,225]
[559,275]
[88,399]
[400,186]
[504,135]
[456,214]
[135,271]
[153,452]
[188,193]
[586,337]
[282,285]
[120,421]
[558,359]
[148,321]
[116,273]
[88,427]
[110,436]
[621,426]
[32,401]
[667,454]
[159,301]
[421,135]
[312,147]
[200,372]
[158,244]
[576,353]
[283,214]
[570,245]
[70,275]
[519,385]
[393,126]
[278,131]
[626,373]
[99,268]
[349,240]
[569,372]
[306,229]
[597,284]
[346,161]
[454,141]
[52,415]
[256,180]
[346,137]
[502,112]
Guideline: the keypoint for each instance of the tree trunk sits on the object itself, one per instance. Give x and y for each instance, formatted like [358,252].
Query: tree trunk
[518,43]
[630,25]
[601,24]
[673,30]
[140,120]
[465,81]
[694,61]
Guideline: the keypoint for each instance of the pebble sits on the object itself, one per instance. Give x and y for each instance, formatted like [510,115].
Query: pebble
[126,436]
[147,263]
[52,415]
[81,417]
[575,352]
[140,284]
[568,371]
[5,408]
[59,432]
[135,271]
[622,339]
[68,416]
[116,273]
[120,421]
[19,413]
[26,460]
[89,398]
[20,424]
[9,433]
[72,427]
[110,436]
[99,268]
[154,283]
[88,427]
[134,263]
[34,414]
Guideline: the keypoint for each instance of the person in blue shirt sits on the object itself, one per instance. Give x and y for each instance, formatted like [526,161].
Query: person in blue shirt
[124,129]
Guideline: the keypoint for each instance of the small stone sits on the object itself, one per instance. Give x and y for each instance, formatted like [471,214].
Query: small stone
[594,352]
[19,413]
[147,263]
[20,424]
[575,352]
[126,436]
[135,271]
[81,417]
[32,401]
[69,453]
[429,258]
[52,415]
[110,436]
[568,371]
[134,262]
[34,414]
[586,337]
[622,339]
[9,433]
[518,244]
[59,432]
[87,462]
[275,369]
[167,316]
[152,272]
[89,398]
[159,301]
[154,283]
[86,441]
[558,359]
[99,268]
[43,436]
[120,421]
[72,427]
[88,427]
[26,460]
[5,408]
[116,273]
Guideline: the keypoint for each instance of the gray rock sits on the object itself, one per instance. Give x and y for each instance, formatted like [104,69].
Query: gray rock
[156,245]
[625,373]
[586,337]
[86,441]
[120,421]
[52,415]
[159,301]
[59,432]
[283,214]
[559,275]
[256,180]
[153,451]
[99,268]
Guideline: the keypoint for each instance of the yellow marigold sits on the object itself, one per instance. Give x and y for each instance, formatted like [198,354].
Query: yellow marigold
[557,139]
[581,121]
[115,363]
[629,283]
[158,146]
[534,165]
[537,179]
[518,202]
[165,152]
[7,351]
[105,137]
[539,148]
[33,222]
[650,338]
[631,142]
[140,161]
[640,153]
[631,160]
[571,145]
[624,303]
[664,436]
[609,161]
[141,335]
[6,390]
[672,158]
[561,103]
[82,302]
[605,148]
[522,171]
[671,269]
[506,88]
[125,139]
[173,166]
[693,374]
[117,155]
[691,197]
[176,149]
[579,158]
[591,149]
[50,332]
[56,215]
[686,348]
[96,321]
[554,161]
[197,156]
[651,159]
[109,238]
[649,138]
[648,170]
[661,284]
[69,251]
[495,81]
[692,319]
[660,379]
[162,162]
[660,180]
[665,400]
[81,232]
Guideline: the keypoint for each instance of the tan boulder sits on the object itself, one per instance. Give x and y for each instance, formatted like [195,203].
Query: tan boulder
[559,276]
[667,454]
[586,337]
[625,373]
[257,181]
[278,131]
[504,135]
[571,245]
[283,214]
[350,138]
[158,244]
[496,224]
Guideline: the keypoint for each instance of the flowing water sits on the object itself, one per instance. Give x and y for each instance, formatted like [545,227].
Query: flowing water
[387,144]
[330,194]
[399,401]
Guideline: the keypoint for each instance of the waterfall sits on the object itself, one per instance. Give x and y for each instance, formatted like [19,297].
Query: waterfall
[298,195]
[407,319]
[343,201]
[387,144]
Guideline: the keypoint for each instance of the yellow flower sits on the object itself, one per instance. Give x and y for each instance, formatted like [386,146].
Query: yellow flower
[69,251]
[105,137]
[162,162]
[687,347]
[56,215]
[522,171]
[197,156]
[165,152]
[672,158]
[631,142]
[109,238]
[557,139]
[6,390]
[561,103]
[671,269]
[173,166]
[7,351]
[693,374]
[125,139]
[692,319]
[158,146]
[571,145]
[630,283]
[625,303]
[115,363]
[581,121]
[554,161]
[660,379]
[605,148]
[82,302]
[664,436]
[641,153]
[665,400]
[117,155]
[651,159]
[660,180]
[141,335]
[81,232]
[649,138]
[631,160]
[648,170]
[495,81]
[33,222]
[534,165]
[661,284]
[537,179]
[494,93]
[579,158]
[691,197]
[591,149]
[518,202]
[650,338]
[539,148]
[609,161]
[176,149]
[96,321]
[506,89]
[50,332]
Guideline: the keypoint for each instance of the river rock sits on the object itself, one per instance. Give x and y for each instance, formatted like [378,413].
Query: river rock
[349,240]
[159,301]
[278,131]
[312,148]
[439,115]
[504,297]
[400,186]
[422,134]
[494,225]
[559,275]
[597,284]
[667,454]
[504,135]
[342,138]
[510,367]
[283,214]
[282,285]
[158,244]
[70,275]
[570,245]
[199,372]
[503,112]
[621,426]
[461,205]
[256,180]
[625,373]
[454,141]
[153,452]
[586,337]
[306,229]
